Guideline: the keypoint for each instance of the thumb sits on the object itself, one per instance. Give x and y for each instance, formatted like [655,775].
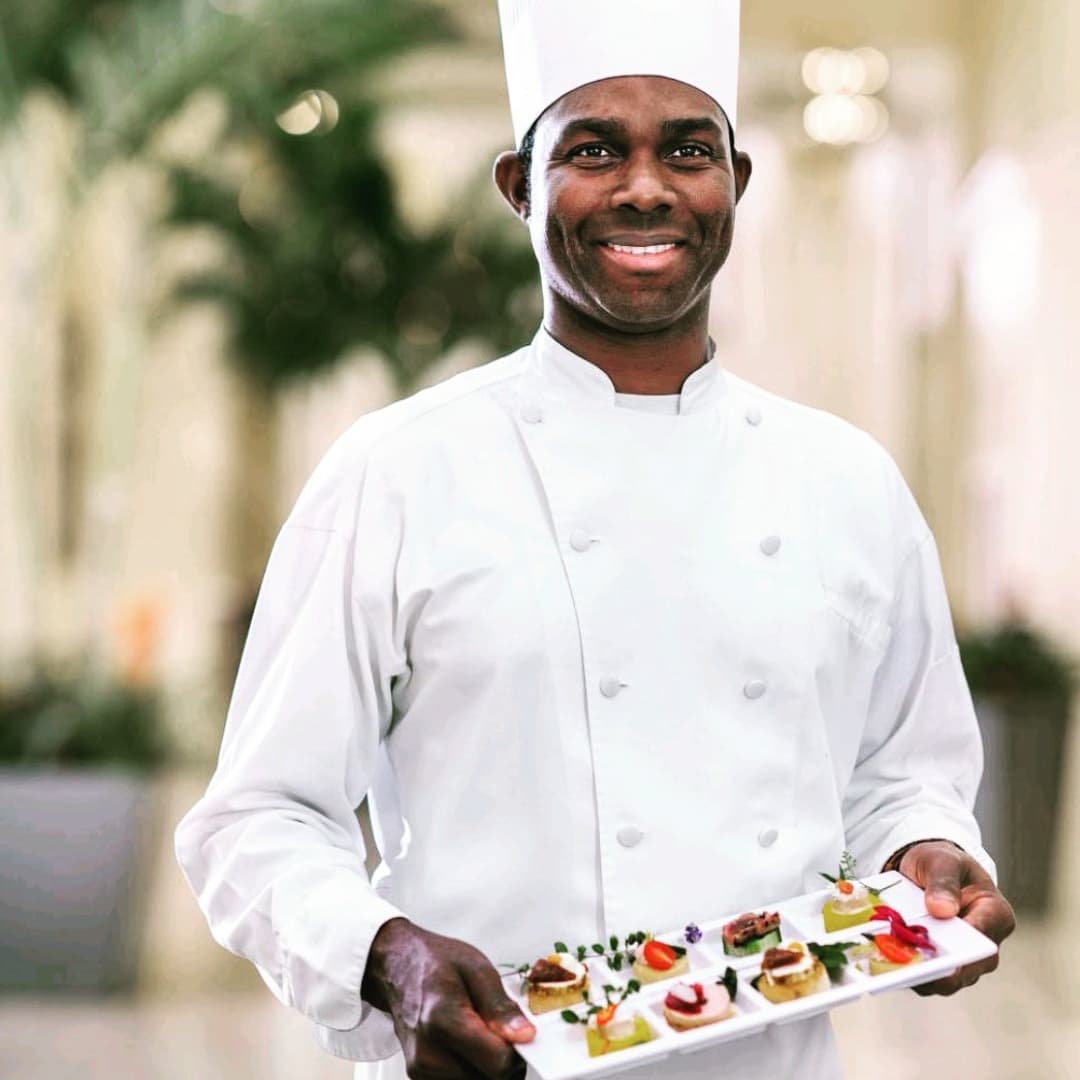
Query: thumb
[490,1000]
[940,870]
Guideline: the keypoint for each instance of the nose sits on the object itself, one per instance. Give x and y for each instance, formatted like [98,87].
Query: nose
[643,185]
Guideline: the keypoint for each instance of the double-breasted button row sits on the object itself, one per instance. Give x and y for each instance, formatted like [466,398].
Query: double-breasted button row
[630,836]
[581,541]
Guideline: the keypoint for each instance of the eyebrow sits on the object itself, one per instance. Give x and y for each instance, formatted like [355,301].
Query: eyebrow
[595,125]
[677,128]
[599,125]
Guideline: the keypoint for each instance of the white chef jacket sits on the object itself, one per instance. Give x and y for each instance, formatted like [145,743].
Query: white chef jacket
[598,670]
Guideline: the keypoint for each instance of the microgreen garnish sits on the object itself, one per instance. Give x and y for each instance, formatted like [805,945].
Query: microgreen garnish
[517,969]
[730,982]
[846,872]
[847,865]
[617,955]
[612,997]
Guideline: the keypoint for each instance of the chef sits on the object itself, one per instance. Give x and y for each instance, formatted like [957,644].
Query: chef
[610,639]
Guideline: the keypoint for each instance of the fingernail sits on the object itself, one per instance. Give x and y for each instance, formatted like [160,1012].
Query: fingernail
[946,899]
[518,1025]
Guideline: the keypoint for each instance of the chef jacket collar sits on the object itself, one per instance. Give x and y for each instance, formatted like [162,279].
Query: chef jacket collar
[564,374]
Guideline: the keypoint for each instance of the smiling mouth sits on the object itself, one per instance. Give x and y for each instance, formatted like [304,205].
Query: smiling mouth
[649,249]
[643,258]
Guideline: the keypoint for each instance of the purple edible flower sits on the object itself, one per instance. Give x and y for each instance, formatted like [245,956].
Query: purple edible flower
[692,934]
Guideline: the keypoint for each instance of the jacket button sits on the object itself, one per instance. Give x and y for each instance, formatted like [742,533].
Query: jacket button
[754,689]
[580,540]
[532,413]
[629,836]
[753,417]
[767,837]
[770,545]
[610,686]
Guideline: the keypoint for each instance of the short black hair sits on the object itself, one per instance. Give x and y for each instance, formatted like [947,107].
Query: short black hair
[528,144]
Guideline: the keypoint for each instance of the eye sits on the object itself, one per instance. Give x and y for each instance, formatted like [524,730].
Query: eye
[696,150]
[591,152]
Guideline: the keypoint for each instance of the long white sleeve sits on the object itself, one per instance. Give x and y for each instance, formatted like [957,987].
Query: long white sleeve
[920,759]
[273,850]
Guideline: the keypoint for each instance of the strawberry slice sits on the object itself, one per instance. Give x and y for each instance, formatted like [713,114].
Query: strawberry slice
[658,956]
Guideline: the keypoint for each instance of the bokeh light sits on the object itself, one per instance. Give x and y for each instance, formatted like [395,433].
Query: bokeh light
[314,112]
[842,119]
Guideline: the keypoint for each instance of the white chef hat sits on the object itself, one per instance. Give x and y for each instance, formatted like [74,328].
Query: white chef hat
[554,46]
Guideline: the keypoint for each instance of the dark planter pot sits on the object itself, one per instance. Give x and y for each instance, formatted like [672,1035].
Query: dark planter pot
[1019,801]
[70,847]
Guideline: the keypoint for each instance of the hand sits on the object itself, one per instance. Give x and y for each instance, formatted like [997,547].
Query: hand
[450,1012]
[956,884]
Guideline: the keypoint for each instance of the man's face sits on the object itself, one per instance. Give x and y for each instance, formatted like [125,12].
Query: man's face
[632,203]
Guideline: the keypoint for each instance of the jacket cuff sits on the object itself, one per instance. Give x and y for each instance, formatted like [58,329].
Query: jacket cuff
[897,857]
[918,828]
[325,946]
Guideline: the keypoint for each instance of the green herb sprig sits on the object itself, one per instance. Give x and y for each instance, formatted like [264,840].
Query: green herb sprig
[833,957]
[618,953]
[610,992]
[847,872]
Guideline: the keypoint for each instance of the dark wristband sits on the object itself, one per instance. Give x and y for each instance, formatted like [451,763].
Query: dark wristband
[894,860]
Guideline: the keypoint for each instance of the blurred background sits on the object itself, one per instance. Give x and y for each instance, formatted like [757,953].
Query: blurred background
[229,227]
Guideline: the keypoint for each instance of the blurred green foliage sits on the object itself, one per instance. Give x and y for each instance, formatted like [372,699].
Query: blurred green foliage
[1015,660]
[81,718]
[334,264]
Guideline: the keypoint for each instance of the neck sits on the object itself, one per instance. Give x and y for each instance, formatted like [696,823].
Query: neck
[651,362]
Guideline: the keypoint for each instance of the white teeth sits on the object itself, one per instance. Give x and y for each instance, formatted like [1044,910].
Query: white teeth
[652,249]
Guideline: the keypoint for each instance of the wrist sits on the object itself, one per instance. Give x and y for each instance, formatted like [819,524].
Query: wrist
[387,941]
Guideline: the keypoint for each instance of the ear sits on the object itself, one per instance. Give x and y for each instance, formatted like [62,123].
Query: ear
[742,167]
[510,179]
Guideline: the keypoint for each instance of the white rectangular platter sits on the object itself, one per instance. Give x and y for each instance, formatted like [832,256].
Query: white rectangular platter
[559,1050]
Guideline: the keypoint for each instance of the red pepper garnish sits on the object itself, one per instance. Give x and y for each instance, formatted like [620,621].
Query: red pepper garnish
[918,936]
[606,1015]
[894,950]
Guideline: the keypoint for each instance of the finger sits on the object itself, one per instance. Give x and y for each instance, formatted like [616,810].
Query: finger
[989,912]
[941,871]
[491,1002]
[960,979]
[435,1063]
[470,1038]
[939,988]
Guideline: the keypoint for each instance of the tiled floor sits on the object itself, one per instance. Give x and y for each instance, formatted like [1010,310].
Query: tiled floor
[1023,1023]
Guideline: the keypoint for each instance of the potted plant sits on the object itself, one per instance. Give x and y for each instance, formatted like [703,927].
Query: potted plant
[1023,685]
[77,748]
